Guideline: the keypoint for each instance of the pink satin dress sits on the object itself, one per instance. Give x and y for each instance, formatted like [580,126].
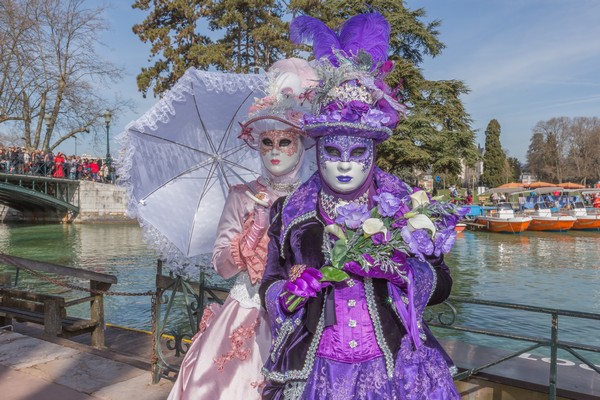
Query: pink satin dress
[226,356]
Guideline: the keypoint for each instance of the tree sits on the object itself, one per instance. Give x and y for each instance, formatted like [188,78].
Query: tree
[230,35]
[494,158]
[536,157]
[514,169]
[584,153]
[553,141]
[255,36]
[435,136]
[173,30]
[50,71]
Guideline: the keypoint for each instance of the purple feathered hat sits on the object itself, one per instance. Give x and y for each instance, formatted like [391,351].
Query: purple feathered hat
[352,97]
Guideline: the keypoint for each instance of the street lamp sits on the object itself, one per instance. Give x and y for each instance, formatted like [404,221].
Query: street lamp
[107,116]
[75,138]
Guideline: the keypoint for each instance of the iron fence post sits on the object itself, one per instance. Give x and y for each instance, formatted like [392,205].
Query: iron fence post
[553,356]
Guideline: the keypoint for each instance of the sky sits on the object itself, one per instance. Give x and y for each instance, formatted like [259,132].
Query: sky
[523,61]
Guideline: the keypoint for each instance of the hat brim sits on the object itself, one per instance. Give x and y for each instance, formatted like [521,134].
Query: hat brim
[378,134]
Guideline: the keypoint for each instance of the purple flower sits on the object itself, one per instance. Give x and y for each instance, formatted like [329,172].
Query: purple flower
[444,240]
[387,204]
[418,241]
[399,221]
[334,106]
[381,238]
[447,221]
[375,118]
[352,215]
[354,110]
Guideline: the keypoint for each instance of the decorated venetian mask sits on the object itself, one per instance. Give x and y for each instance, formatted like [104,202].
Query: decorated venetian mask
[280,151]
[345,161]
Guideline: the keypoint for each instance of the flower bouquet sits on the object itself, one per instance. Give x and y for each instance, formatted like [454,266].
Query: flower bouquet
[394,229]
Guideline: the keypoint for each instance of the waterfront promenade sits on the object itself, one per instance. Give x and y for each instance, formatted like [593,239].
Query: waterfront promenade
[36,369]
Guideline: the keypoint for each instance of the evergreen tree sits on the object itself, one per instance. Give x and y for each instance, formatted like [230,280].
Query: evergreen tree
[494,158]
[173,29]
[229,35]
[255,34]
[514,169]
[435,136]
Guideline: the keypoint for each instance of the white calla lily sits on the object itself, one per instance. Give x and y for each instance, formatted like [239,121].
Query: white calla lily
[372,226]
[419,198]
[336,230]
[421,221]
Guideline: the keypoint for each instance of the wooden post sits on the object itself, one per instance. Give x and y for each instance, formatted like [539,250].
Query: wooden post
[156,371]
[97,312]
[52,317]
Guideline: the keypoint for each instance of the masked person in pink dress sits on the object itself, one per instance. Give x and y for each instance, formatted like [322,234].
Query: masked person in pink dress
[226,356]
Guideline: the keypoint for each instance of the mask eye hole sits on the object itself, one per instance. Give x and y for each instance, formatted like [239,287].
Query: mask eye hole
[332,151]
[267,142]
[285,142]
[357,152]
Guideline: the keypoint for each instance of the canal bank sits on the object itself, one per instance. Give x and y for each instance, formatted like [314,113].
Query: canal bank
[32,368]
[98,203]
[557,270]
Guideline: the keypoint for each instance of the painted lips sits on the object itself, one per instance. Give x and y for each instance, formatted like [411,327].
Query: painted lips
[275,162]
[344,178]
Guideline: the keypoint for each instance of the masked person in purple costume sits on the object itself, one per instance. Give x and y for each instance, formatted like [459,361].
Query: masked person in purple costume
[361,337]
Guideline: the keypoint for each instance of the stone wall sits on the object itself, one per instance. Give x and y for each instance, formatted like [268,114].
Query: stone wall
[100,202]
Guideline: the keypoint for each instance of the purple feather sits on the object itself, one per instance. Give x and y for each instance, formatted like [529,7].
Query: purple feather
[368,32]
[307,30]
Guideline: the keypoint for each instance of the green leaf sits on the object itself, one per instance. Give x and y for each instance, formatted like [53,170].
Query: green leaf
[338,253]
[331,274]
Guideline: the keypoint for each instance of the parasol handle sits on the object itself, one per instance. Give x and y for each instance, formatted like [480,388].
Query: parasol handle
[258,198]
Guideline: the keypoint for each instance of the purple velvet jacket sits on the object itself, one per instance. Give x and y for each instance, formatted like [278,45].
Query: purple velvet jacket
[296,234]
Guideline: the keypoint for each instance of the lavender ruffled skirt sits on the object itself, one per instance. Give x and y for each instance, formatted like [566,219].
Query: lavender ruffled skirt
[421,374]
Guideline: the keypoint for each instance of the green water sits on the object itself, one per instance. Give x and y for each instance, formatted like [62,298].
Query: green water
[555,270]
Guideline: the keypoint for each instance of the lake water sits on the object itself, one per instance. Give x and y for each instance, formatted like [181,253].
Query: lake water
[555,270]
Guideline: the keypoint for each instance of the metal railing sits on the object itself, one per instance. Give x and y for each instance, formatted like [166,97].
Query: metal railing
[445,315]
[176,315]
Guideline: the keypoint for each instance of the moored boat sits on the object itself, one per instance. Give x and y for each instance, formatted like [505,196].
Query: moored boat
[586,220]
[503,219]
[543,218]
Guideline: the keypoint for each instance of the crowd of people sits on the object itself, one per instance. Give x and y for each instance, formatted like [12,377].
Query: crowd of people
[19,160]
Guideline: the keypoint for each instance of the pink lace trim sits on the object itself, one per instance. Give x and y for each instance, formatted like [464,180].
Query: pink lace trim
[252,260]
[237,338]
[207,316]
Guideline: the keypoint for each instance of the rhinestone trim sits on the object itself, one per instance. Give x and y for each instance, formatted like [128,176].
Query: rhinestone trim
[330,203]
[295,374]
[286,188]
[352,344]
[352,323]
[351,303]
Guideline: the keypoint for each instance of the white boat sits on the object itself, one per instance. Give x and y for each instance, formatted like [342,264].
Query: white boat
[503,219]
[586,219]
[543,219]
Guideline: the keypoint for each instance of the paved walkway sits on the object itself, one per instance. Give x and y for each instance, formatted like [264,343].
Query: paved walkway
[34,369]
